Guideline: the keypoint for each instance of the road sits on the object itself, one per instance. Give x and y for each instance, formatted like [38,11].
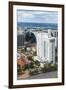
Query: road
[44,75]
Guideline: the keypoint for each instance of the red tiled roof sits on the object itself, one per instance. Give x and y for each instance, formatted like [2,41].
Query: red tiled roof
[22,60]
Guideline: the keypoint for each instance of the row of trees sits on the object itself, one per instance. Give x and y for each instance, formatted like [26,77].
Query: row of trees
[34,67]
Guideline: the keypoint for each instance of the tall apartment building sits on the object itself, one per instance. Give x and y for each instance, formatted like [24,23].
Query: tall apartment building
[20,38]
[46,44]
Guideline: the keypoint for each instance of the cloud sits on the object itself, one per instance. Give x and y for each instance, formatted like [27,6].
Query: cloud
[38,12]
[25,15]
[37,16]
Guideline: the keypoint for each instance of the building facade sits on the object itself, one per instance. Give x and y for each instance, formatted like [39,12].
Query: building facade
[46,44]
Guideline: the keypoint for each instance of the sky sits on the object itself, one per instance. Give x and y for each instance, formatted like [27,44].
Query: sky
[36,16]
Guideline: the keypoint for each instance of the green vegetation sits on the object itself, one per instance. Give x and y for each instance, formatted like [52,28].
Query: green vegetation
[34,71]
[34,53]
[30,57]
[49,67]
[34,67]
[20,70]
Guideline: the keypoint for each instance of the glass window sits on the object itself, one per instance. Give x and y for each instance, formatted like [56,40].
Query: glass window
[45,49]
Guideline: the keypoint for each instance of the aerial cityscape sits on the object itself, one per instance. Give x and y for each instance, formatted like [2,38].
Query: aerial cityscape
[37,44]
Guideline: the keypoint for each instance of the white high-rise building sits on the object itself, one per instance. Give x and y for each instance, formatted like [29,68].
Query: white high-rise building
[46,46]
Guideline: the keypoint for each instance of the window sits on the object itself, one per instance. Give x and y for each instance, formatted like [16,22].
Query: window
[52,49]
[45,49]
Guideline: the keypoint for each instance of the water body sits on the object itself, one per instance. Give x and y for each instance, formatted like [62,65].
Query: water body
[52,26]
